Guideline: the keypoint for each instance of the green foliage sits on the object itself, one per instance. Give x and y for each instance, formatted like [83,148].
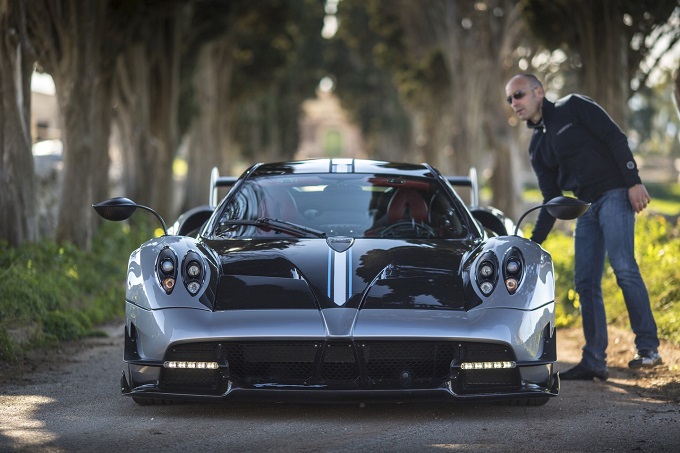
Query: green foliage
[664,191]
[7,352]
[367,60]
[267,113]
[65,325]
[62,289]
[657,250]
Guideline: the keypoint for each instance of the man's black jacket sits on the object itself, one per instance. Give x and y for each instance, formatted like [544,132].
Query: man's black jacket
[577,147]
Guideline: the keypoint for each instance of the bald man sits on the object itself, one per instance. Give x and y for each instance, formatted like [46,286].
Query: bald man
[577,147]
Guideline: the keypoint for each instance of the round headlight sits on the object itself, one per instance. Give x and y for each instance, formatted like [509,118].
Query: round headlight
[511,284]
[168,284]
[194,269]
[486,270]
[167,266]
[486,287]
[512,267]
[193,287]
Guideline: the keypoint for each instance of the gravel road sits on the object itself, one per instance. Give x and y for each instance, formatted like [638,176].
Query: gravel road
[73,403]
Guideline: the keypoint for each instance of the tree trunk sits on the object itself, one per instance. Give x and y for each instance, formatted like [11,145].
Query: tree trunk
[603,50]
[132,114]
[210,137]
[676,90]
[18,222]
[70,45]
[86,160]
[478,130]
[80,84]
[164,55]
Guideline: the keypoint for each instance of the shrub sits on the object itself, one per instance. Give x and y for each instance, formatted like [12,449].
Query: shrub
[62,288]
[657,250]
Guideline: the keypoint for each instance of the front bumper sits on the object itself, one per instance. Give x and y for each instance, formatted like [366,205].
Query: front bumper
[382,355]
[314,395]
[385,371]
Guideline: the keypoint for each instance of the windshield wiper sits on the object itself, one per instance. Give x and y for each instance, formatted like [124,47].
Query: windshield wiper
[280,225]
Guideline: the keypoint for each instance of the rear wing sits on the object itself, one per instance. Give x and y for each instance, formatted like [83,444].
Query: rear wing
[467,181]
[217,181]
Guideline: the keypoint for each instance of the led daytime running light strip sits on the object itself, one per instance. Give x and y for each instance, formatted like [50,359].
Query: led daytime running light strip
[192,365]
[486,365]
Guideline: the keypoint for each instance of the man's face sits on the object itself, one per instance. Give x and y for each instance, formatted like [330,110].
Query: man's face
[525,99]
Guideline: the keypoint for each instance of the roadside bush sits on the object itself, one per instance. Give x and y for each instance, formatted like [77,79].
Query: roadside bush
[65,326]
[63,290]
[657,250]
[6,347]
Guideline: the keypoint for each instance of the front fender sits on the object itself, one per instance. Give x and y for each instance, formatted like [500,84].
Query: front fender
[537,286]
[143,285]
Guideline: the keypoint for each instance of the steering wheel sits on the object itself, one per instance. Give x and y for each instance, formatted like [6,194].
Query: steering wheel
[403,227]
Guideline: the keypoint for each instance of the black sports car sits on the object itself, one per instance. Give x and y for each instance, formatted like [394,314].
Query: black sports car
[339,279]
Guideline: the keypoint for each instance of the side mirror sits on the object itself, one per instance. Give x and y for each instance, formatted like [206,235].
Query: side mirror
[563,208]
[121,208]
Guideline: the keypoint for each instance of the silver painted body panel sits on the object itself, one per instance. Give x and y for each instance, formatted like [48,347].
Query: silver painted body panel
[158,329]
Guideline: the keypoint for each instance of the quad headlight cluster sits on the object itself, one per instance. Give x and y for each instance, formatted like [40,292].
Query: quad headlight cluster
[193,272]
[513,269]
[166,269]
[192,269]
[490,270]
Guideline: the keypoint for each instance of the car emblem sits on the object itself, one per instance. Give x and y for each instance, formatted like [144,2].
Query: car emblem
[340,243]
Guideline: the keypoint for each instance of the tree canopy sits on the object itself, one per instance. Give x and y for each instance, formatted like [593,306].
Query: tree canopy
[221,82]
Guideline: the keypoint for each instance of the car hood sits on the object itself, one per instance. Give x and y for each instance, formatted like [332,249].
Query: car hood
[340,272]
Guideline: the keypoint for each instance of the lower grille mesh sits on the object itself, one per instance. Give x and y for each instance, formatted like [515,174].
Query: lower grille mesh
[338,365]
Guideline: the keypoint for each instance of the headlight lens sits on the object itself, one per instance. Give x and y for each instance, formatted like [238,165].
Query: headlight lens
[511,284]
[487,273]
[193,269]
[168,284]
[486,288]
[486,270]
[513,266]
[167,266]
[513,269]
[166,269]
[193,272]
[193,287]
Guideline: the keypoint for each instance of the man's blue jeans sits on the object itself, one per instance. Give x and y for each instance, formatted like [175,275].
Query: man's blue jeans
[607,230]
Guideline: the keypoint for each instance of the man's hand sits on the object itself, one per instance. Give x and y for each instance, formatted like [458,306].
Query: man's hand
[638,196]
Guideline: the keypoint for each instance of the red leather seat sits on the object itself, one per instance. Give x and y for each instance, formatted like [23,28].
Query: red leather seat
[407,204]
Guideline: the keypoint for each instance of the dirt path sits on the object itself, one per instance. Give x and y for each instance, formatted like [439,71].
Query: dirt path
[72,403]
[662,383]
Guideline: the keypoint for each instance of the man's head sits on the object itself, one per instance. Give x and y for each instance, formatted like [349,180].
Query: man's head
[525,96]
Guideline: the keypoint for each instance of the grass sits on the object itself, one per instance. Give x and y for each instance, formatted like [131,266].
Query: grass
[657,250]
[55,292]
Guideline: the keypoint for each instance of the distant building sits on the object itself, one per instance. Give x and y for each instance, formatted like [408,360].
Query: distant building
[325,130]
[44,109]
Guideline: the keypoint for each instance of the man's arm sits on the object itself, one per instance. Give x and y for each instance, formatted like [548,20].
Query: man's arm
[600,125]
[547,182]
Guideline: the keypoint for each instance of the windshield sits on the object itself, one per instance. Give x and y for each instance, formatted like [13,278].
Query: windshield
[357,206]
